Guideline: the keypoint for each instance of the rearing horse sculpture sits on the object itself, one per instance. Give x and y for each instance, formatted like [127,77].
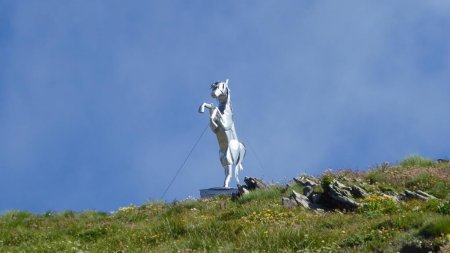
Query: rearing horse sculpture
[231,151]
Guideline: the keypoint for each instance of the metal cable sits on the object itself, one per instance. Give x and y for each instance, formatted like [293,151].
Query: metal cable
[184,162]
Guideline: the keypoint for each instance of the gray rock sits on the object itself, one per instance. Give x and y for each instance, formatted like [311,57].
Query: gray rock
[340,196]
[301,199]
[319,210]
[341,185]
[424,194]
[392,193]
[395,196]
[307,191]
[288,203]
[303,181]
[357,180]
[346,179]
[358,192]
[415,195]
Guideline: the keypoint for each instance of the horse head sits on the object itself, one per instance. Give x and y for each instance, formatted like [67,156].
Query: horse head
[220,90]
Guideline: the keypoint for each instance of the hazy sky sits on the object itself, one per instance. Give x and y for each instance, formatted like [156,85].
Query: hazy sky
[99,99]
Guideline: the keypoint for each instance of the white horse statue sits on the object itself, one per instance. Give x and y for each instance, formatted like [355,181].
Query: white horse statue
[231,151]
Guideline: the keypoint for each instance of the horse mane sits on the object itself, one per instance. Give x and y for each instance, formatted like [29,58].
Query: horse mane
[228,102]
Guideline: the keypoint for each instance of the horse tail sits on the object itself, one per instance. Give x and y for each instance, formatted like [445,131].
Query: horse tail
[242,151]
[236,172]
[239,161]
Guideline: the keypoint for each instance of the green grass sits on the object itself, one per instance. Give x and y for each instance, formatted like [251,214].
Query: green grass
[416,161]
[254,223]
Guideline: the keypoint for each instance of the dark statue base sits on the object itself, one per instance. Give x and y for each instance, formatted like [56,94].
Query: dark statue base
[210,192]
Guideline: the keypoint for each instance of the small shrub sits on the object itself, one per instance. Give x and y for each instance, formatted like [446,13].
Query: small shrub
[416,161]
[326,181]
[92,234]
[192,203]
[408,221]
[438,206]
[375,203]
[172,228]
[68,214]
[440,189]
[376,176]
[386,188]
[422,181]
[16,218]
[444,207]
[436,227]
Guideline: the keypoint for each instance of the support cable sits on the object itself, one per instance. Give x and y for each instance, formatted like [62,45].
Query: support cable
[184,162]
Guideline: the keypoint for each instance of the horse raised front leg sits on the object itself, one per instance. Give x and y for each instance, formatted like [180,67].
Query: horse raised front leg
[203,106]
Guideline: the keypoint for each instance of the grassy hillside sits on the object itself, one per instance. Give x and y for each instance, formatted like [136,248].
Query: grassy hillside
[256,222]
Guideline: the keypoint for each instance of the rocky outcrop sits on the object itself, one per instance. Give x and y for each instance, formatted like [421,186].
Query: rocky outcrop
[335,196]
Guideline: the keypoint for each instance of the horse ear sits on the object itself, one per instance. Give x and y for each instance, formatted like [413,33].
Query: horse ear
[226,82]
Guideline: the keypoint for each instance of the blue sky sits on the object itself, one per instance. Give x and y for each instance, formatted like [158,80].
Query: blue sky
[99,99]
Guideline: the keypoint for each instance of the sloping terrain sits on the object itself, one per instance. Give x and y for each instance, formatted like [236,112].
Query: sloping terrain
[386,218]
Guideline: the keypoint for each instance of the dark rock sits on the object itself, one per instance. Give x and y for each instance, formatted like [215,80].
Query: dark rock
[303,181]
[315,198]
[443,161]
[242,190]
[412,195]
[358,192]
[254,183]
[251,184]
[307,191]
[402,196]
[417,249]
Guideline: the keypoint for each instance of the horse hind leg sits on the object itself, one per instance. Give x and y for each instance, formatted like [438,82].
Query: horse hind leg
[236,172]
[228,172]
[239,161]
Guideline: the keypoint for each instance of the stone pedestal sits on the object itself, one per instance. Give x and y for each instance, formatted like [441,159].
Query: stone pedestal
[210,192]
